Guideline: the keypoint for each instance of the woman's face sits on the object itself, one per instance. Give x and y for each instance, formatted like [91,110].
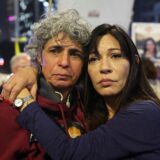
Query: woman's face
[109,70]
[150,46]
[62,62]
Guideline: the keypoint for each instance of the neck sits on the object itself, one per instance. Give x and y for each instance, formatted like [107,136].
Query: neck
[112,106]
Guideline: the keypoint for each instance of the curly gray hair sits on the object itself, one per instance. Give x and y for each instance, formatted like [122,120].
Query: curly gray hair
[68,22]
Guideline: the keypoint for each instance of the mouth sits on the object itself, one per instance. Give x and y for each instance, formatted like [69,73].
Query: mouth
[61,76]
[106,82]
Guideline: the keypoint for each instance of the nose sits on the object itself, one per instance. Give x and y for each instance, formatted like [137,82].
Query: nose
[64,60]
[105,66]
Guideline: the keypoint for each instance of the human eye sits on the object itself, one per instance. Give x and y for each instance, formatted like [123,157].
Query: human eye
[55,50]
[93,59]
[117,55]
[76,54]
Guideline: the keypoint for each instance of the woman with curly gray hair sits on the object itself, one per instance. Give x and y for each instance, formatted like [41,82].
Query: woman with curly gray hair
[57,46]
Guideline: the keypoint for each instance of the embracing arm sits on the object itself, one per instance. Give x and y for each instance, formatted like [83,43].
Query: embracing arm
[133,130]
[24,77]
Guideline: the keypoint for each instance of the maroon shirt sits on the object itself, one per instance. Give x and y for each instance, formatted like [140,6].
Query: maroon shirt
[15,142]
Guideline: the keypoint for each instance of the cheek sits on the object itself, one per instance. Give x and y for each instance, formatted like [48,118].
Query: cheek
[77,69]
[89,70]
[46,65]
[124,73]
[43,61]
[47,61]
[93,73]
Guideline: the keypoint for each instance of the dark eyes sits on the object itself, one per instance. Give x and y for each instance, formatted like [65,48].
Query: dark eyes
[117,55]
[93,59]
[55,50]
[76,54]
[112,56]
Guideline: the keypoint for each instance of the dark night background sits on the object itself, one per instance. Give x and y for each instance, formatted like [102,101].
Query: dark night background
[143,11]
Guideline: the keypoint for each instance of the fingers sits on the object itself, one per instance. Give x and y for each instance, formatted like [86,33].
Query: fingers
[15,91]
[7,88]
[12,87]
[24,77]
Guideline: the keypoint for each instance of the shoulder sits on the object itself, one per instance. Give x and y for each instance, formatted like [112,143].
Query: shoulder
[144,109]
[144,105]
[141,115]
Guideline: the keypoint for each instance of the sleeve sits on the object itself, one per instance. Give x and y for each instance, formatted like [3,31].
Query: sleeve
[13,138]
[132,130]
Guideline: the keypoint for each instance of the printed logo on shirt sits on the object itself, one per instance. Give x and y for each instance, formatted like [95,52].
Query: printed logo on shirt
[75,129]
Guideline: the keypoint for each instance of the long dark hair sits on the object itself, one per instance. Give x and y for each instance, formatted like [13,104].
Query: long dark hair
[136,88]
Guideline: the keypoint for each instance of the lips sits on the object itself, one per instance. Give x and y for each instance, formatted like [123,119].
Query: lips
[106,82]
[61,76]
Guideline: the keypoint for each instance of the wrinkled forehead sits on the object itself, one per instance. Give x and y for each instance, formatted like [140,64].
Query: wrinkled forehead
[65,40]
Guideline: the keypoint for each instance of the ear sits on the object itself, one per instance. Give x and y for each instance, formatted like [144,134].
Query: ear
[137,59]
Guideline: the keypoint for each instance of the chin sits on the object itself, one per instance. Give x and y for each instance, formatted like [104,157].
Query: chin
[60,83]
[63,86]
[108,93]
[112,93]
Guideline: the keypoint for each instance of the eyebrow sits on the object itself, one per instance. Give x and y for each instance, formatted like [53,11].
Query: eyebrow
[109,50]
[55,46]
[75,49]
[113,49]
[63,46]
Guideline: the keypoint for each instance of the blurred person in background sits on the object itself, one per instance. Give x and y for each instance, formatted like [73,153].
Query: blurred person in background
[151,73]
[150,51]
[19,61]
[16,62]
[150,48]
